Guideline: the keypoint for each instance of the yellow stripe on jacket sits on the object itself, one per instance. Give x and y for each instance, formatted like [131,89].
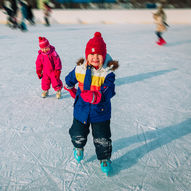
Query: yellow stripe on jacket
[98,77]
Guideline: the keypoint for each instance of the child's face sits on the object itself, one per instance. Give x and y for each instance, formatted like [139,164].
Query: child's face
[45,50]
[95,60]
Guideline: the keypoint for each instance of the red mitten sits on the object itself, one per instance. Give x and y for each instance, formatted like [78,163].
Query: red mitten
[57,74]
[39,73]
[93,97]
[72,91]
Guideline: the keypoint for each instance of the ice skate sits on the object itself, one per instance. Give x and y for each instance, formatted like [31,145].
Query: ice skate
[159,42]
[44,94]
[163,42]
[78,154]
[58,94]
[105,166]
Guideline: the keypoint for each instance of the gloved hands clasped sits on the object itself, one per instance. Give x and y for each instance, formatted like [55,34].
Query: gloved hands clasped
[93,97]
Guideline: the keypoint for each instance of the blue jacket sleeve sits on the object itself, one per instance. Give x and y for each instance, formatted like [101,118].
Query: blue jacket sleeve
[70,79]
[108,88]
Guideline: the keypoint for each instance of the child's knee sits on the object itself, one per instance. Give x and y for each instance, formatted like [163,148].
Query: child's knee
[79,141]
[102,142]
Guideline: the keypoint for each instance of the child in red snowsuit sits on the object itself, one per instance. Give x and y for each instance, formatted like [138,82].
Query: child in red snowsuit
[48,68]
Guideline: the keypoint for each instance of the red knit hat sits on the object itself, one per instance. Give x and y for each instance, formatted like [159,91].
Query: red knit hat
[96,45]
[43,42]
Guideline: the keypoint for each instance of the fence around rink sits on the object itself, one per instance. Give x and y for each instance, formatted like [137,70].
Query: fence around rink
[138,16]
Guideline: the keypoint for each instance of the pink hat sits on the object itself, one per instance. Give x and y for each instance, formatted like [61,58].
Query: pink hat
[96,45]
[43,42]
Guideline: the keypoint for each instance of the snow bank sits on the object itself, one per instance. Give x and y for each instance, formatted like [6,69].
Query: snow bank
[175,16]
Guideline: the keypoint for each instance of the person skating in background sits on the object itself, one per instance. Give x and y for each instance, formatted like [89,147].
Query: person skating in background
[48,68]
[23,8]
[161,25]
[30,15]
[47,11]
[15,10]
[10,8]
[92,106]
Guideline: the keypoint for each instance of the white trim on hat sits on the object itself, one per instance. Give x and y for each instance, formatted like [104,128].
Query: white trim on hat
[43,42]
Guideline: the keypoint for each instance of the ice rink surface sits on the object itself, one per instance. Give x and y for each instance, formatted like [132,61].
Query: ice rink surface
[151,112]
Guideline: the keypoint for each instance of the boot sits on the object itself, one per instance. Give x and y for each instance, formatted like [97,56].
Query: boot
[44,94]
[159,42]
[58,94]
[47,22]
[23,26]
[105,166]
[78,154]
[163,42]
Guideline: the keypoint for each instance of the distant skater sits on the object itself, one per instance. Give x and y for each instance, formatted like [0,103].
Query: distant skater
[161,25]
[30,15]
[10,9]
[47,11]
[23,9]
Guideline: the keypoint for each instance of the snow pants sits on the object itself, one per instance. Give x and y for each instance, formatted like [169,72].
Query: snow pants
[101,137]
[51,79]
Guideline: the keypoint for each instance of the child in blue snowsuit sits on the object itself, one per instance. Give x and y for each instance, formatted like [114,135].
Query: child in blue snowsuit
[92,104]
